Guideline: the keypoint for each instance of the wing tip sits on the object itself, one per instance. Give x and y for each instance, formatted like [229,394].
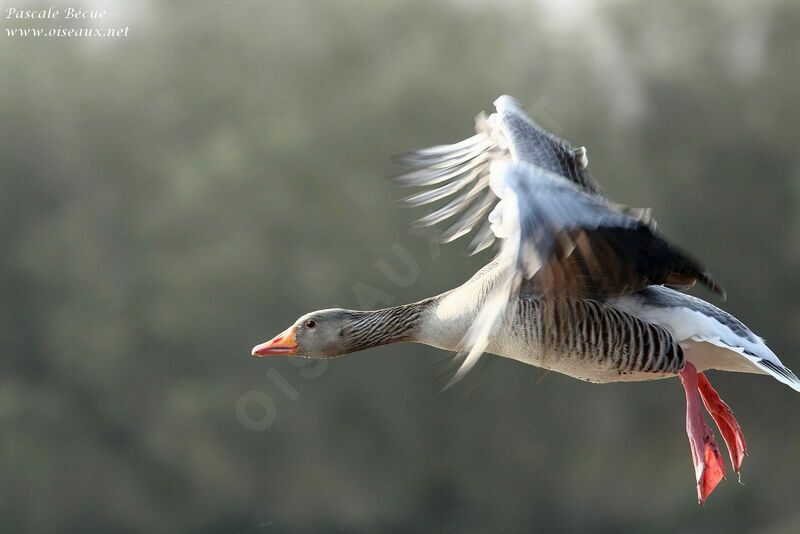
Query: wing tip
[781,373]
[711,283]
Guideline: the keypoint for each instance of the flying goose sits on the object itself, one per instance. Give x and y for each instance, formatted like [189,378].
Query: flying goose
[579,285]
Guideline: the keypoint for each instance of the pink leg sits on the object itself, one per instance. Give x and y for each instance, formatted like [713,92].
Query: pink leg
[709,468]
[726,422]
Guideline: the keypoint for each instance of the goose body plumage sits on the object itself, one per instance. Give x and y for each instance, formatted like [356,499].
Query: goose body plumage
[642,336]
[579,285]
[582,338]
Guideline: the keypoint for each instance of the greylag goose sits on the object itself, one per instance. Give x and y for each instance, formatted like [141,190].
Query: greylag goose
[579,285]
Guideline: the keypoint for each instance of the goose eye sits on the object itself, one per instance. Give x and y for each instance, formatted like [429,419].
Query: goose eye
[311,323]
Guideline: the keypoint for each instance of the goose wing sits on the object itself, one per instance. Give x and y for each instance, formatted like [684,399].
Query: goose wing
[460,171]
[597,260]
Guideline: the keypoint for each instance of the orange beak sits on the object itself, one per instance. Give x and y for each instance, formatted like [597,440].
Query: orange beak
[284,343]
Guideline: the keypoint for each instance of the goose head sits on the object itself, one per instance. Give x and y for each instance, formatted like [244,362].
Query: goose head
[319,334]
[334,332]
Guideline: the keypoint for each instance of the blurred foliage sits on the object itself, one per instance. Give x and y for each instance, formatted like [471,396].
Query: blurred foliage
[170,199]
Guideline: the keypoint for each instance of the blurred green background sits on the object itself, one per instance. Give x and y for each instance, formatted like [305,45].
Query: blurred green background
[172,198]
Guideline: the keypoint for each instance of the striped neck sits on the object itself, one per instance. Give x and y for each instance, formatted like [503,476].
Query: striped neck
[368,329]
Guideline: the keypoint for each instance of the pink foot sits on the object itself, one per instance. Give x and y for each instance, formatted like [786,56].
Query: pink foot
[709,468]
[726,422]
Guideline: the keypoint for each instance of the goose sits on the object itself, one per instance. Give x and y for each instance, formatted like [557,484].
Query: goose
[579,285]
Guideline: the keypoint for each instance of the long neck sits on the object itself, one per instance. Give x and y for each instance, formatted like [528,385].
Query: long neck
[440,321]
[381,327]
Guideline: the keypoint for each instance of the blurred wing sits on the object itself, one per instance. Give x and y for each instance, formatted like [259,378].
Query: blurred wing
[566,242]
[460,172]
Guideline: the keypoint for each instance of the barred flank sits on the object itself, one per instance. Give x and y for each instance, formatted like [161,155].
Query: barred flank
[598,333]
